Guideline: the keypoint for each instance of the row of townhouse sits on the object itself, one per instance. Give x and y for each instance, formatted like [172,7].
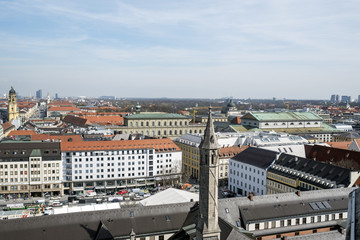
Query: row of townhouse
[32,168]
[260,171]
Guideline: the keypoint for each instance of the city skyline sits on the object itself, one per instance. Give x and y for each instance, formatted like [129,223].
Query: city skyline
[212,49]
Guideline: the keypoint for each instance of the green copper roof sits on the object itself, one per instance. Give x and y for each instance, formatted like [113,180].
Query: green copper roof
[282,116]
[155,116]
[240,128]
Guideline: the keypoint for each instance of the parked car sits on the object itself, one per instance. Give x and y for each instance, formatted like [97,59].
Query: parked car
[122,192]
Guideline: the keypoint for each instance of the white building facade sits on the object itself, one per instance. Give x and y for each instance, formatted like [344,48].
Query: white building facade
[105,166]
[248,171]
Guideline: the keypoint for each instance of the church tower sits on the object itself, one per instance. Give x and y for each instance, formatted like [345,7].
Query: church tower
[13,112]
[207,226]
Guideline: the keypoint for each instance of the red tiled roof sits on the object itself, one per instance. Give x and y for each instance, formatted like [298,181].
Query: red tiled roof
[236,120]
[161,145]
[105,114]
[341,145]
[231,151]
[339,157]
[7,126]
[21,132]
[105,120]
[62,138]
[61,103]
[76,121]
[64,109]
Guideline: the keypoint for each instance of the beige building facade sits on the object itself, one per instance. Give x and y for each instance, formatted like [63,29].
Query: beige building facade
[160,125]
[30,169]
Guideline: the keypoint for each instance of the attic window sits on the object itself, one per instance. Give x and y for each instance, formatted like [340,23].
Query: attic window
[226,210]
[131,214]
[167,218]
[238,223]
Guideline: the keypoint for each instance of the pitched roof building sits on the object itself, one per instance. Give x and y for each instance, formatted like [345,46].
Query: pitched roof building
[298,123]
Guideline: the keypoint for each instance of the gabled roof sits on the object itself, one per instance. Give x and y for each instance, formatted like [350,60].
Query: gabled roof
[7,126]
[340,145]
[226,152]
[339,175]
[62,138]
[76,121]
[257,157]
[64,109]
[284,205]
[22,150]
[105,120]
[88,225]
[352,135]
[282,116]
[340,157]
[21,132]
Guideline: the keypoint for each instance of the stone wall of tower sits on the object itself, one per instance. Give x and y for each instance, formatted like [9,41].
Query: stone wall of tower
[208,200]
[208,227]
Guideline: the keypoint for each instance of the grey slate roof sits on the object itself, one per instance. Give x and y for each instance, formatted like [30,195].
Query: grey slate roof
[258,157]
[21,151]
[287,204]
[85,225]
[319,169]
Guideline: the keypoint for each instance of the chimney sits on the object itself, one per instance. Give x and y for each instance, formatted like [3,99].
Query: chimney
[298,193]
[251,197]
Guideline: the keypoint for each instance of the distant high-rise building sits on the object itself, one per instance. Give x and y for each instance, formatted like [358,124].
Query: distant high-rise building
[333,98]
[56,96]
[359,99]
[346,99]
[39,94]
[337,98]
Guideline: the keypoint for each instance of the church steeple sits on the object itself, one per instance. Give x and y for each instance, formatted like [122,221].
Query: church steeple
[13,112]
[209,140]
[207,226]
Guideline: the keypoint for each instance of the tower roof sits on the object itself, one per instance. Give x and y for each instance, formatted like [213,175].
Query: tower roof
[12,91]
[209,140]
[231,104]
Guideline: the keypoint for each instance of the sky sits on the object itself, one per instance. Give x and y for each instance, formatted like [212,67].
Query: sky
[294,49]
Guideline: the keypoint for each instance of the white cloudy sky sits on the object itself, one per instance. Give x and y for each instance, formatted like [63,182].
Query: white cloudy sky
[181,48]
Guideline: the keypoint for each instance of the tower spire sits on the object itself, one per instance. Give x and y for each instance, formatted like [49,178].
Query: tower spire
[207,225]
[209,140]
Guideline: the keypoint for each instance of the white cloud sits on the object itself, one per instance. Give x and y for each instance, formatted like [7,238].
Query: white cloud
[195,42]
